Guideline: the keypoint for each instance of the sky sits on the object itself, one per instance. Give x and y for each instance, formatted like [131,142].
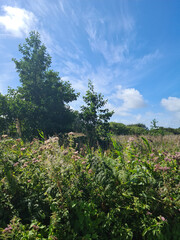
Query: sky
[129,49]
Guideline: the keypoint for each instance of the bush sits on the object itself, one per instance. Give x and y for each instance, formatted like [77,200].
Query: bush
[128,192]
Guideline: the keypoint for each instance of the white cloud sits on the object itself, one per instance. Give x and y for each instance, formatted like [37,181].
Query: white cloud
[17,21]
[132,99]
[125,100]
[172,104]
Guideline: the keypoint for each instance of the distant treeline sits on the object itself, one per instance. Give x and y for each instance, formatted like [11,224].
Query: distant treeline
[140,129]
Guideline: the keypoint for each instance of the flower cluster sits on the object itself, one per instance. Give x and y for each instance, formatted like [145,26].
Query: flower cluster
[7,229]
[158,167]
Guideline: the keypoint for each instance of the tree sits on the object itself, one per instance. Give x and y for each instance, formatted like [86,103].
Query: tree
[94,117]
[3,114]
[154,124]
[119,128]
[43,97]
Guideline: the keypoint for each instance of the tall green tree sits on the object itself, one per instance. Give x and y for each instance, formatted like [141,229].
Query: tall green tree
[42,99]
[95,118]
[3,114]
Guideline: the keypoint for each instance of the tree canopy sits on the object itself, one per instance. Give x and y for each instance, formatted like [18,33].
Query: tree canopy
[94,117]
[41,102]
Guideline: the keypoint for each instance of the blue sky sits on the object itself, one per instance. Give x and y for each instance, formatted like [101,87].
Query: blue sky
[128,48]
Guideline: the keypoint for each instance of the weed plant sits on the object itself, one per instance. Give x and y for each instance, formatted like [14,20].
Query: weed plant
[130,191]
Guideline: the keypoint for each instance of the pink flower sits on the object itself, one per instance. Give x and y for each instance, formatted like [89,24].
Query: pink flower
[75,153]
[90,171]
[29,180]
[15,164]
[35,160]
[148,213]
[84,162]
[155,159]
[35,227]
[25,165]
[23,149]
[8,229]
[65,152]
[163,218]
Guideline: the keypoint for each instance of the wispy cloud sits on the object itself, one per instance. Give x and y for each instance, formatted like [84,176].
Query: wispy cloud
[17,21]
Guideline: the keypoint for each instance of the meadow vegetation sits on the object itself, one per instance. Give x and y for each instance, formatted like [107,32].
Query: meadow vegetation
[129,191]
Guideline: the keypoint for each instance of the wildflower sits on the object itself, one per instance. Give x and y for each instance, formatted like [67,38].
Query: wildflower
[152,155]
[90,171]
[15,164]
[167,159]
[41,148]
[23,149]
[4,136]
[39,156]
[47,141]
[25,165]
[84,162]
[35,227]
[166,168]
[18,140]
[55,139]
[65,152]
[157,167]
[155,159]
[148,213]
[29,180]
[71,134]
[163,218]
[131,139]
[35,160]
[75,153]
[8,229]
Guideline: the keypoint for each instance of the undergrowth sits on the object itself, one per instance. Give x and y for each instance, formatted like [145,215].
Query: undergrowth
[130,191]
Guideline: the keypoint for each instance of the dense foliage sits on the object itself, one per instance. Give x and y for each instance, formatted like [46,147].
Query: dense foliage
[95,119]
[140,129]
[41,103]
[131,191]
